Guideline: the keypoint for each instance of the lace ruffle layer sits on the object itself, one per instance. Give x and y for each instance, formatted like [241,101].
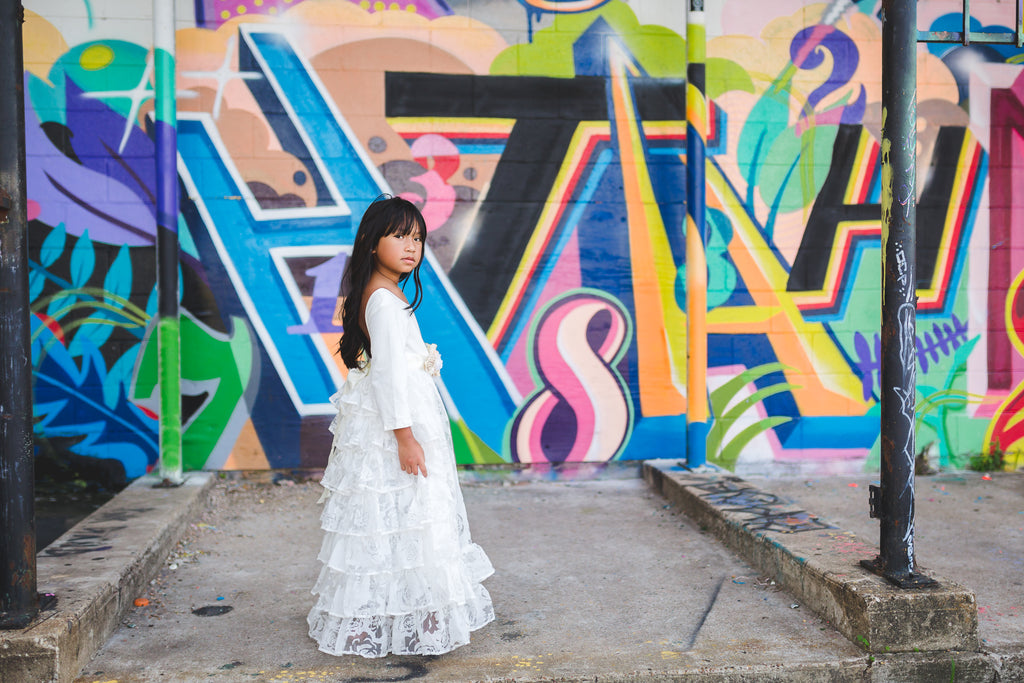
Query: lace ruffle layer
[400,573]
[403,590]
[422,632]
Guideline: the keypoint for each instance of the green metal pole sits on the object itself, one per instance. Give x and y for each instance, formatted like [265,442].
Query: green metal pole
[168,326]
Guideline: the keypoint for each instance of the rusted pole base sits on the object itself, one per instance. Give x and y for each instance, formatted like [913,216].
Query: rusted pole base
[18,620]
[906,580]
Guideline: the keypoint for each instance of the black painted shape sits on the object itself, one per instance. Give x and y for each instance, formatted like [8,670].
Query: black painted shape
[660,99]
[768,512]
[811,262]
[583,98]
[784,522]
[513,97]
[60,135]
[85,539]
[504,224]
[274,111]
[696,73]
[212,610]
[167,257]
[816,247]
[547,112]
[933,207]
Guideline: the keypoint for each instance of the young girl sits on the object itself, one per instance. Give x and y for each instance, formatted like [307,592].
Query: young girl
[400,573]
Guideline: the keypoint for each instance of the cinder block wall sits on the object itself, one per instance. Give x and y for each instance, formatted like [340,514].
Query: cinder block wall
[547,150]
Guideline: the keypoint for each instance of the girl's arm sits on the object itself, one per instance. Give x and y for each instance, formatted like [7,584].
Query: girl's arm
[387,323]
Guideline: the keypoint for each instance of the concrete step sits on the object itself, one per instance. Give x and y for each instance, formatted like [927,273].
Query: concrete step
[96,570]
[818,563]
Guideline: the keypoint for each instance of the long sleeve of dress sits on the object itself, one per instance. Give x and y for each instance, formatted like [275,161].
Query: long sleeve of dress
[387,322]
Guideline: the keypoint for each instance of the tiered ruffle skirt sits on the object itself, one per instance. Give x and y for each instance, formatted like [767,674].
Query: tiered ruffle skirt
[400,572]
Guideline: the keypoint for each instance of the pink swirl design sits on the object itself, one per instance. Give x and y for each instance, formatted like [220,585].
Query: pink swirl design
[582,411]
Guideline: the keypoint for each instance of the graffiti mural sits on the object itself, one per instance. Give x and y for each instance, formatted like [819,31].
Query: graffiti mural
[545,143]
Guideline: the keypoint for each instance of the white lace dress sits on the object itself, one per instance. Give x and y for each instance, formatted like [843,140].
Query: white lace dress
[400,573]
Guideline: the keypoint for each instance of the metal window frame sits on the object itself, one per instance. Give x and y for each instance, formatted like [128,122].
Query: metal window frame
[967,36]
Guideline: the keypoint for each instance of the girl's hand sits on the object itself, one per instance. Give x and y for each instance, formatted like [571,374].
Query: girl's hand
[410,453]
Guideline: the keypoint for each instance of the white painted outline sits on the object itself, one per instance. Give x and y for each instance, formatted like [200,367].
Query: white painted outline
[248,29]
[304,409]
[258,213]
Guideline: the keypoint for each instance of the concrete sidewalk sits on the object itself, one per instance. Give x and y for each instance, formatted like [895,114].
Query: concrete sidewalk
[969,529]
[597,579]
[594,579]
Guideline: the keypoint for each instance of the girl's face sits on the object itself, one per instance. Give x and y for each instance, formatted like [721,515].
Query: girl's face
[397,255]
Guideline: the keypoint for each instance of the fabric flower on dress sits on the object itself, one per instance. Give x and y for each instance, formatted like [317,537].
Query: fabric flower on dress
[433,363]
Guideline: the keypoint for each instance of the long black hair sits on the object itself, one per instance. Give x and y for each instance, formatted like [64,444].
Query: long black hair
[385,216]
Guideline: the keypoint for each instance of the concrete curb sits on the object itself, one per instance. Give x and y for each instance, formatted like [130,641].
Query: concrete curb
[818,564]
[96,570]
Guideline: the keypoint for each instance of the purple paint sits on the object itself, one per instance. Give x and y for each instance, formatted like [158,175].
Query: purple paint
[68,193]
[167,182]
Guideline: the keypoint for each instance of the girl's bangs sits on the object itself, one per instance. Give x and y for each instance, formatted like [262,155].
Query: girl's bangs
[405,225]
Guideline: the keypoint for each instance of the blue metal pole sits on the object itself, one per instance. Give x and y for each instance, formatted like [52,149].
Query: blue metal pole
[697,413]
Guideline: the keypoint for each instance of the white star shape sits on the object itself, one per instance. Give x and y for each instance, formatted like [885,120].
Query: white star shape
[223,75]
[140,93]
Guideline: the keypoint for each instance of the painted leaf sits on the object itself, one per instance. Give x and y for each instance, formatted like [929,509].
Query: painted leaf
[90,332]
[118,280]
[722,276]
[721,396]
[726,75]
[119,377]
[36,282]
[70,403]
[53,246]
[59,306]
[83,260]
[725,414]
[957,367]
[731,452]
[721,424]
[959,363]
[470,448]
[97,131]
[748,402]
[45,97]
[767,120]
[809,156]
[152,302]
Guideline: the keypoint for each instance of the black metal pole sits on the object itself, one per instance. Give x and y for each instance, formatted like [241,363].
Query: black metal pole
[19,603]
[893,501]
